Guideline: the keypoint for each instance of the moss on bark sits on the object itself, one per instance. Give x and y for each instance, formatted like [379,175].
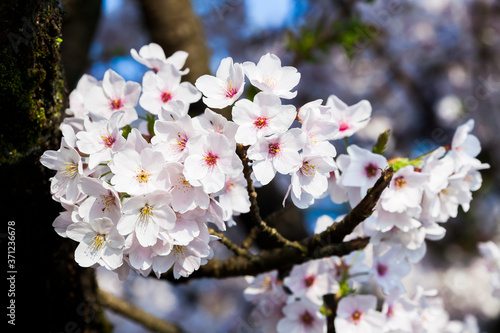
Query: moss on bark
[31,80]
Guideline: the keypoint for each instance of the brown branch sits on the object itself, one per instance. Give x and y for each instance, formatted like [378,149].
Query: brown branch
[336,232]
[254,207]
[134,313]
[231,246]
[325,244]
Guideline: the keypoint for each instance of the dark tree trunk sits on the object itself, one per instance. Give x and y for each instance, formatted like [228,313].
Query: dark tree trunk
[51,293]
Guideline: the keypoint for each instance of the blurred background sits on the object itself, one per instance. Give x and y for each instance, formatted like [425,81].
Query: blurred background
[426,67]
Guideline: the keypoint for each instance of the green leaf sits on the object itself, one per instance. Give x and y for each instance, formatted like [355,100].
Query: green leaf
[151,119]
[401,162]
[381,143]
[126,131]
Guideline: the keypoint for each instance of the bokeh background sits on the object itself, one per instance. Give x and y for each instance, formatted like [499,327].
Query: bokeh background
[426,66]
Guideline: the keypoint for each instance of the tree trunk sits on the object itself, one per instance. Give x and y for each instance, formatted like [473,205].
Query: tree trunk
[173,25]
[47,288]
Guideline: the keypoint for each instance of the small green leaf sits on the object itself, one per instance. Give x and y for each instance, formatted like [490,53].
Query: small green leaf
[151,119]
[126,131]
[59,40]
[325,311]
[381,143]
[401,162]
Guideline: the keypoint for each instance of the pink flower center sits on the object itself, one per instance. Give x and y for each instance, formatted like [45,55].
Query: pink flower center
[309,281]
[356,316]
[390,312]
[116,104]
[230,90]
[211,159]
[274,148]
[166,97]
[381,269]
[371,170]
[307,318]
[108,140]
[261,122]
[400,182]
[181,142]
[343,126]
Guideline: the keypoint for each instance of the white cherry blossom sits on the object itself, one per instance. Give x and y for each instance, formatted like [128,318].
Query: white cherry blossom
[99,241]
[153,56]
[101,138]
[276,153]
[262,117]
[147,215]
[225,87]
[269,76]
[164,87]
[358,314]
[209,160]
[350,119]
[114,95]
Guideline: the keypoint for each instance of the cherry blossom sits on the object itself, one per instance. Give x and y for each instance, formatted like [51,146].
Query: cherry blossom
[388,270]
[99,241]
[310,181]
[164,87]
[184,195]
[301,317]
[357,314]
[269,76]
[153,56]
[101,138]
[225,87]
[350,119]
[136,173]
[68,164]
[102,200]
[405,190]
[311,280]
[277,153]
[209,160]
[172,137]
[360,170]
[147,215]
[114,95]
[262,117]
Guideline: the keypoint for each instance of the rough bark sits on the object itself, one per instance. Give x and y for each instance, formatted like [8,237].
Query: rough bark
[61,296]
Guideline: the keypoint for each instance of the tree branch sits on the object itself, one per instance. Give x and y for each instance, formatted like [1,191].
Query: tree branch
[134,313]
[325,244]
[254,207]
[231,246]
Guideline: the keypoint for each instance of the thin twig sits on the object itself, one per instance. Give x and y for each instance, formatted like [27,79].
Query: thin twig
[254,207]
[134,313]
[231,246]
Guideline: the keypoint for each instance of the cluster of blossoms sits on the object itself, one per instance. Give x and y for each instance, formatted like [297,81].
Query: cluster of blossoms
[142,199]
[423,193]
